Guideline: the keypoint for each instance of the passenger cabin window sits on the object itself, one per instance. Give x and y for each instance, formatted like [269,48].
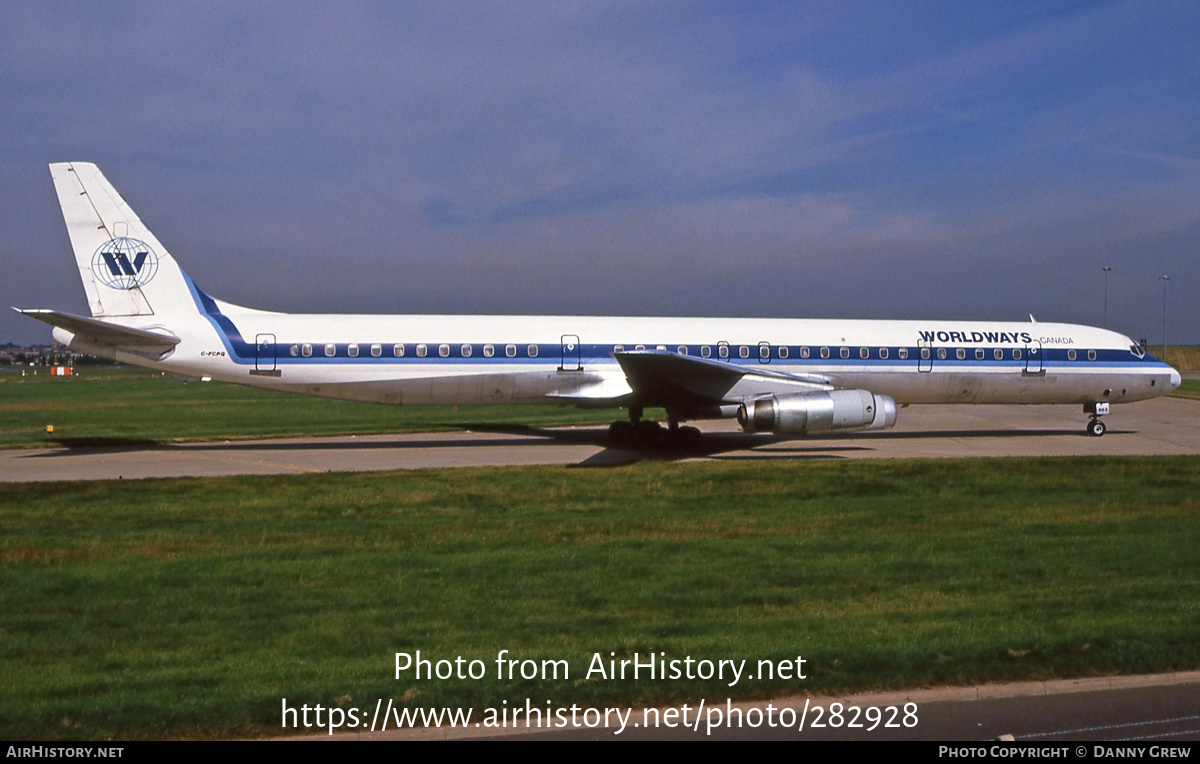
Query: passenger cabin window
[682,349]
[306,350]
[783,352]
[422,351]
[397,351]
[1071,355]
[294,350]
[924,354]
[532,351]
[744,351]
[764,350]
[466,351]
[824,352]
[618,348]
[978,354]
[999,354]
[845,352]
[1091,355]
[804,352]
[640,347]
[941,354]
[489,351]
[960,354]
[352,350]
[377,350]
[510,350]
[1016,354]
[864,353]
[705,351]
[723,351]
[330,349]
[660,347]
[443,350]
[883,353]
[903,353]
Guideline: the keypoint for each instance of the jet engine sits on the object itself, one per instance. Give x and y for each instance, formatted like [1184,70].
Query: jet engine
[817,411]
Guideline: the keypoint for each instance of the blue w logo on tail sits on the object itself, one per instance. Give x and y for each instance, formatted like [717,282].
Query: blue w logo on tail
[119,263]
[124,263]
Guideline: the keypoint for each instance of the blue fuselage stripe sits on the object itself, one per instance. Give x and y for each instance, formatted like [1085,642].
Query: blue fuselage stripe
[243,352]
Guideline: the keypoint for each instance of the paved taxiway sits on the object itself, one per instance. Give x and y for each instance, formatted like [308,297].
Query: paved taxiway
[1160,427]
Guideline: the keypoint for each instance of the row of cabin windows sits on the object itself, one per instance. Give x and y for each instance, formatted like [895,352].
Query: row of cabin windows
[422,350]
[764,351]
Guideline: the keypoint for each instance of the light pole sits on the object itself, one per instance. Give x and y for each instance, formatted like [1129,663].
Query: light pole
[1107,270]
[1164,280]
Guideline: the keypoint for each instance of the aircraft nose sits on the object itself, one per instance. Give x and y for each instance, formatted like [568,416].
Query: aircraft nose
[1176,379]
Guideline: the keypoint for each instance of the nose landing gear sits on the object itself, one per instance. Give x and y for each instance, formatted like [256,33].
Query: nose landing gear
[1095,426]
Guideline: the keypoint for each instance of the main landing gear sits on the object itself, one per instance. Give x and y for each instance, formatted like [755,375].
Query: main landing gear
[651,435]
[1095,426]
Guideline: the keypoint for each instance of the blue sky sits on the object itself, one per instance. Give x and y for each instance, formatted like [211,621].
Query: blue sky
[967,160]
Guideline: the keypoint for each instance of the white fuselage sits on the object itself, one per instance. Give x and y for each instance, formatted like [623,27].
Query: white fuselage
[557,359]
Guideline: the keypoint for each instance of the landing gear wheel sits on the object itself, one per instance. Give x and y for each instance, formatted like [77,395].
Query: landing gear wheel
[638,434]
[689,439]
[621,433]
[647,434]
[1096,427]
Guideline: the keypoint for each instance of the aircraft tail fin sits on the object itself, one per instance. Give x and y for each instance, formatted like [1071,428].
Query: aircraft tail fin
[125,270]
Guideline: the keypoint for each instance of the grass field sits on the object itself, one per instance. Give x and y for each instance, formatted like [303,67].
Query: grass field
[190,608]
[112,404]
[1189,389]
[1185,358]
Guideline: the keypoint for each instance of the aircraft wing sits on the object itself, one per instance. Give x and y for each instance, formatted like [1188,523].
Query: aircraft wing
[104,333]
[662,377]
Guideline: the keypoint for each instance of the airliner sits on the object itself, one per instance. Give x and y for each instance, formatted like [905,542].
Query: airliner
[788,377]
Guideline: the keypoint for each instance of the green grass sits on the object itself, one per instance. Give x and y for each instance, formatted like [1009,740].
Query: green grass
[105,404]
[190,608]
[1189,389]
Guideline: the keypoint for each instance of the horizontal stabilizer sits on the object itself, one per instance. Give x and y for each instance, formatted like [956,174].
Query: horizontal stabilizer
[104,333]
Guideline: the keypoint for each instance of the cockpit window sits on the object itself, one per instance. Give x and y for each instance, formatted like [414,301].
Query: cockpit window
[1137,350]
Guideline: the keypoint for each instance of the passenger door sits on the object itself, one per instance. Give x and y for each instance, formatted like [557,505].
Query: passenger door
[572,353]
[264,354]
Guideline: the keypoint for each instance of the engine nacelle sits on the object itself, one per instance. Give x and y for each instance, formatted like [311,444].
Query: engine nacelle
[817,411]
